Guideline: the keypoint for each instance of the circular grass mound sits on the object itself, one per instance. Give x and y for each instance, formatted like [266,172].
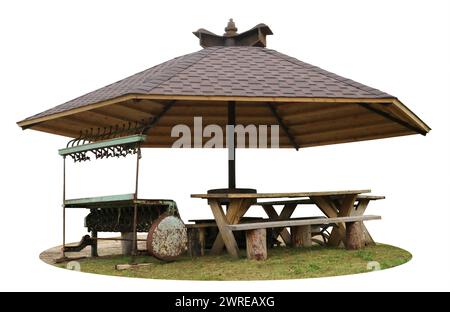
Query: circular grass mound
[282,263]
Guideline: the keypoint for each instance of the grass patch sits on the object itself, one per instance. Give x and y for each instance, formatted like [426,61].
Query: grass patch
[282,263]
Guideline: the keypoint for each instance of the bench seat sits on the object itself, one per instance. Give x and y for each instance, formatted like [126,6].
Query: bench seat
[300,222]
[300,232]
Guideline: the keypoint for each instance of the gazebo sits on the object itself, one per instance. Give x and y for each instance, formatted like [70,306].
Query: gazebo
[234,80]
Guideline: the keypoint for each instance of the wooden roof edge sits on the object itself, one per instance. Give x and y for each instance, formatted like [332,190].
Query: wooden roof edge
[30,122]
[412,115]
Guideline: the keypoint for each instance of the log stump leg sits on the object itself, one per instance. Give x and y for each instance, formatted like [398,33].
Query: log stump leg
[256,244]
[94,246]
[354,238]
[301,236]
[196,242]
[127,245]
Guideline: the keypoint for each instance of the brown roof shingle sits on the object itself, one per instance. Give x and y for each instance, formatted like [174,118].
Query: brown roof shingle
[229,71]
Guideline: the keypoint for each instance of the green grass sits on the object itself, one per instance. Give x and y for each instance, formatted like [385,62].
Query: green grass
[282,263]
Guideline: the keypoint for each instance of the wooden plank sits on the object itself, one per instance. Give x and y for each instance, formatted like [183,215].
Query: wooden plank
[350,131]
[310,202]
[322,114]
[290,223]
[146,106]
[296,108]
[356,138]
[201,225]
[339,123]
[124,112]
[99,119]
[102,144]
[226,233]
[393,118]
[279,195]
[405,111]
[121,267]
[54,130]
[99,199]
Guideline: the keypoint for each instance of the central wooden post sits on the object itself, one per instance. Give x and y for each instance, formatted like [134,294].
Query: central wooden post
[231,145]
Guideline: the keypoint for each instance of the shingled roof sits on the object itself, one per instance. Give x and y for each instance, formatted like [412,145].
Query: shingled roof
[313,106]
[230,71]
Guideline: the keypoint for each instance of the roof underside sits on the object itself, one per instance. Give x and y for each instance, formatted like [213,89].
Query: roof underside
[317,107]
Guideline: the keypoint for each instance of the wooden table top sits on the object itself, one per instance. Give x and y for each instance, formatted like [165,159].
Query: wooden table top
[278,195]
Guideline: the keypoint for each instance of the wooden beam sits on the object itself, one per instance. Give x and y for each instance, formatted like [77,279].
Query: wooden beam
[283,126]
[393,118]
[129,97]
[410,114]
[154,120]
[226,233]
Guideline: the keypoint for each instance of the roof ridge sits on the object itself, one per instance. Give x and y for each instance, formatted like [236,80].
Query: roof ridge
[324,72]
[187,67]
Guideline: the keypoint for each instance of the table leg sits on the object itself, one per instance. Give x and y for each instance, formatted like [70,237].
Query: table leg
[224,232]
[286,213]
[333,209]
[345,209]
[359,211]
[236,210]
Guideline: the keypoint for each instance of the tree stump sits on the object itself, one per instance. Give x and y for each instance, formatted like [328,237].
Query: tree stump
[354,236]
[256,244]
[196,242]
[301,236]
[127,245]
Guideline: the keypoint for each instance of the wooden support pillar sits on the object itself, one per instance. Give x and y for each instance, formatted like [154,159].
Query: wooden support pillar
[354,238]
[256,244]
[94,249]
[127,244]
[301,236]
[196,242]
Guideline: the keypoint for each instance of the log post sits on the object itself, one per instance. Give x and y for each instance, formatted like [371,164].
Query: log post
[127,245]
[301,236]
[94,246]
[196,242]
[354,238]
[256,244]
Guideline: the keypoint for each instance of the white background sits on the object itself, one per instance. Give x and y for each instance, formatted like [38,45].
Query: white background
[53,51]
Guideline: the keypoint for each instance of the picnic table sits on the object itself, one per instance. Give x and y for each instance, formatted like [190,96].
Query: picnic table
[339,208]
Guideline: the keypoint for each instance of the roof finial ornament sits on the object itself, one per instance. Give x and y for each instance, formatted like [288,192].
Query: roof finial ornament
[231,29]
[254,37]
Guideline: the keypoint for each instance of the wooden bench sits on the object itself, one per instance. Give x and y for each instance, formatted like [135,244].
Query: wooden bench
[300,232]
[361,203]
[198,234]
